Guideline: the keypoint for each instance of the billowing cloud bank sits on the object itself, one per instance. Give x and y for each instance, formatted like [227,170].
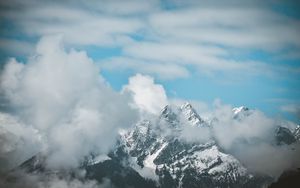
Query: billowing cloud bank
[60,97]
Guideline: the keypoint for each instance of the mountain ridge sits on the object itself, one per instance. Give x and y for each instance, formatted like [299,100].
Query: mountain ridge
[155,157]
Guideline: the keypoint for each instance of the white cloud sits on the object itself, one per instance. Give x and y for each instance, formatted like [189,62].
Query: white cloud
[81,26]
[26,180]
[235,26]
[204,58]
[172,52]
[147,96]
[251,139]
[120,7]
[268,159]
[195,134]
[16,140]
[62,95]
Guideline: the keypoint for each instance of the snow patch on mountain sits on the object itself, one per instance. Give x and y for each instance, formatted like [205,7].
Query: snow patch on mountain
[148,162]
[98,159]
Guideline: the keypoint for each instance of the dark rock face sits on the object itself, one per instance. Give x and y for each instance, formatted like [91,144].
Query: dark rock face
[290,179]
[284,136]
[119,175]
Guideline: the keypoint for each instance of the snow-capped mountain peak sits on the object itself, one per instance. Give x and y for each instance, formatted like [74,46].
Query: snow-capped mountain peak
[190,114]
[186,105]
[240,109]
[175,115]
[241,112]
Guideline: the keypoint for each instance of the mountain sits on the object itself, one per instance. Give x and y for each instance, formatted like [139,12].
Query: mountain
[157,153]
[178,163]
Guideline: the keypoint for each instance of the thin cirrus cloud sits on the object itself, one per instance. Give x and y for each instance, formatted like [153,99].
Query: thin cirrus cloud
[236,27]
[162,70]
[291,108]
[74,22]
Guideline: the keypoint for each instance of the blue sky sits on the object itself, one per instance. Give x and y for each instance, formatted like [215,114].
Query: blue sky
[244,53]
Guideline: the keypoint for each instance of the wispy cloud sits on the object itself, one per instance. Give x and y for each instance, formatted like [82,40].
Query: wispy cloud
[292,108]
[151,36]
[160,70]
[235,26]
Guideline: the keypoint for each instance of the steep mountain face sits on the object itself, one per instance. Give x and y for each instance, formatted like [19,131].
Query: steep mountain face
[174,162]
